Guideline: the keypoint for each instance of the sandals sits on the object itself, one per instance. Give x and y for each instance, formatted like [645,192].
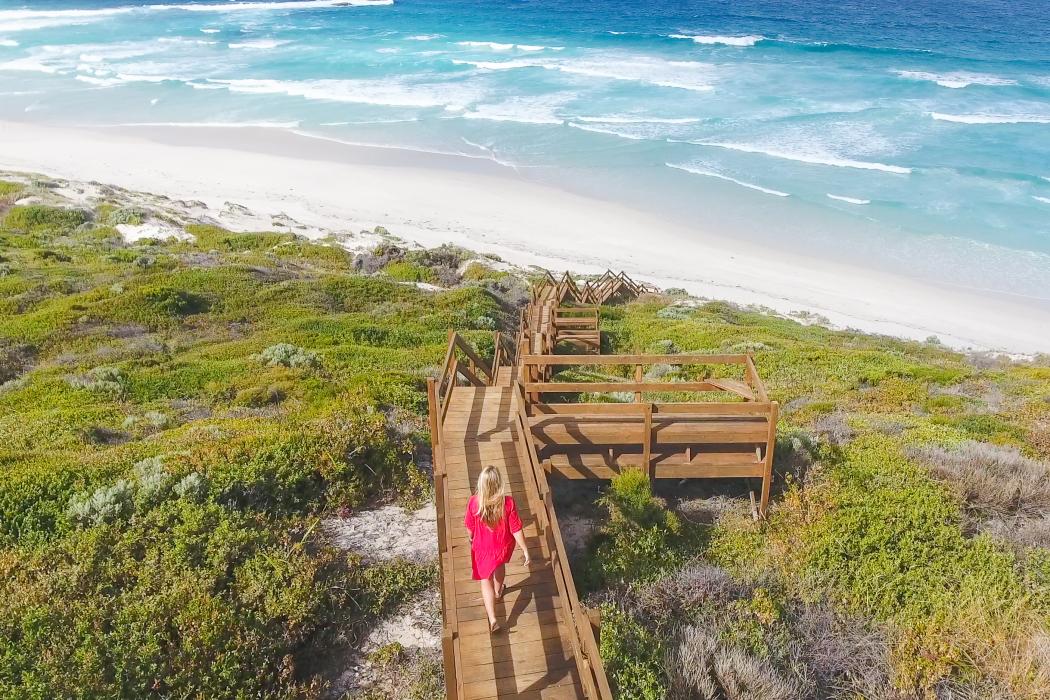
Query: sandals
[502,590]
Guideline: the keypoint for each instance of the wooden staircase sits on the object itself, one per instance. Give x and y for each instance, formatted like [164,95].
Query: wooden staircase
[496,413]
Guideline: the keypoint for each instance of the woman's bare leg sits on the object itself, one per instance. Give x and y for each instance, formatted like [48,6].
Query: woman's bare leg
[498,579]
[488,595]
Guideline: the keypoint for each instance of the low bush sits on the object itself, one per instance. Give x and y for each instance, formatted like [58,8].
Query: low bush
[991,480]
[404,271]
[640,540]
[633,656]
[700,666]
[288,355]
[35,217]
[169,301]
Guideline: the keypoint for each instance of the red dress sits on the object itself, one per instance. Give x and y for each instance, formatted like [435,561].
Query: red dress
[490,547]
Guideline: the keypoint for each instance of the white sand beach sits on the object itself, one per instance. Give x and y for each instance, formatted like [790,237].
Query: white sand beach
[433,199]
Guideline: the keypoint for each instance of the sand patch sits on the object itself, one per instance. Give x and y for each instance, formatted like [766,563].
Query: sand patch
[386,533]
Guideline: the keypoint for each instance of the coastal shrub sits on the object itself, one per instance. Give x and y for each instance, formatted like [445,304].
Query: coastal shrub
[476,271]
[633,656]
[169,301]
[391,583]
[700,666]
[8,189]
[207,237]
[33,218]
[991,480]
[133,216]
[674,312]
[405,271]
[258,396]
[639,540]
[108,380]
[104,505]
[288,355]
[192,487]
[152,481]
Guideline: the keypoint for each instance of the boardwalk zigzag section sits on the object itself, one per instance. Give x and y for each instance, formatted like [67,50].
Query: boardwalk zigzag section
[511,412]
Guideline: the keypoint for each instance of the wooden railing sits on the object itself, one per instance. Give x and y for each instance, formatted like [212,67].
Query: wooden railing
[472,369]
[749,388]
[581,634]
[701,439]
[450,626]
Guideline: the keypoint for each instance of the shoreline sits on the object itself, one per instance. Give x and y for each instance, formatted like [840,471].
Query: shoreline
[478,204]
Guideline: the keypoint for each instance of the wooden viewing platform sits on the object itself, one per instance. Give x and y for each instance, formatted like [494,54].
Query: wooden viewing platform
[506,412]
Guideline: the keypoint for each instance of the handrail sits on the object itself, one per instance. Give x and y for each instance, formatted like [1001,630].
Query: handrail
[567,360]
[450,622]
[452,370]
[581,635]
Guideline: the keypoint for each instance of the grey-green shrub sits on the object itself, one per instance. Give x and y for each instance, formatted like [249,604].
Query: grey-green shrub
[675,312]
[151,481]
[108,380]
[288,355]
[191,487]
[126,215]
[106,504]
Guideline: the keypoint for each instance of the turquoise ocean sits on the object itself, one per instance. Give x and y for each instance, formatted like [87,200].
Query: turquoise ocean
[906,136]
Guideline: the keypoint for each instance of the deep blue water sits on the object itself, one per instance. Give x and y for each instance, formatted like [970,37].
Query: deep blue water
[913,136]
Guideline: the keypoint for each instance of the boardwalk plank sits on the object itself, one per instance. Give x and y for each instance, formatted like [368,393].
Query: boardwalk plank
[532,657]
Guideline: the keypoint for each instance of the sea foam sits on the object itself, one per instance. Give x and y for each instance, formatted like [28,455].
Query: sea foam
[1044,200]
[610,132]
[620,119]
[991,118]
[848,200]
[259,44]
[684,75]
[720,176]
[497,46]
[749,40]
[956,80]
[810,158]
[524,110]
[392,92]
[26,19]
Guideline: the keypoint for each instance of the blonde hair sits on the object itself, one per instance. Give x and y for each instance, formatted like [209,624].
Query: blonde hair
[490,496]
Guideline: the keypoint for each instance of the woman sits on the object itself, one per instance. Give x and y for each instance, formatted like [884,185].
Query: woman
[494,526]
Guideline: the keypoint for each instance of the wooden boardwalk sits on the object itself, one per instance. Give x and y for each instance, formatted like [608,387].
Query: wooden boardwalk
[512,413]
[533,657]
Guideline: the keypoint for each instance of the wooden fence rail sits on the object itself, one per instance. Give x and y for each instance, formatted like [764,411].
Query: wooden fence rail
[584,644]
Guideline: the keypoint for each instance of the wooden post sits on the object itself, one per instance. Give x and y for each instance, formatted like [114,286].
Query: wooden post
[647,444]
[594,616]
[433,409]
[767,478]
[449,653]
[638,379]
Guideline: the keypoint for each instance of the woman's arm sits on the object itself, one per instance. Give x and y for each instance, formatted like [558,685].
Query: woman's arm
[519,537]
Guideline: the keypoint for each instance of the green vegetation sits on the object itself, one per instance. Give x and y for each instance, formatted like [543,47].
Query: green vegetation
[35,218]
[175,420]
[178,418]
[405,271]
[906,551]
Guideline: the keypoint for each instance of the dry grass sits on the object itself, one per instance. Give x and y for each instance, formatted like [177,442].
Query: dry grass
[702,667]
[834,428]
[1014,658]
[1020,532]
[991,480]
[840,657]
[686,591]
